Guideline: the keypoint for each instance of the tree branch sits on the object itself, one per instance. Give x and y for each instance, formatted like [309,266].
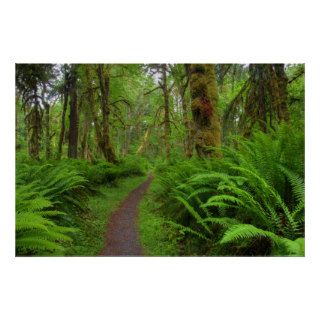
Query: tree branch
[154,89]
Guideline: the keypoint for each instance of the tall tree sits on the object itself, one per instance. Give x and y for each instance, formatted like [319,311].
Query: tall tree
[280,92]
[104,82]
[261,101]
[160,71]
[30,79]
[73,116]
[65,98]
[181,80]
[266,97]
[204,99]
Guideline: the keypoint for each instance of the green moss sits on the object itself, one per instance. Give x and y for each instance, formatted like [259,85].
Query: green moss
[204,94]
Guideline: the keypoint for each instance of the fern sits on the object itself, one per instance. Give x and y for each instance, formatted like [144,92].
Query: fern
[257,184]
[195,214]
[182,229]
[224,222]
[241,232]
[42,192]
[36,233]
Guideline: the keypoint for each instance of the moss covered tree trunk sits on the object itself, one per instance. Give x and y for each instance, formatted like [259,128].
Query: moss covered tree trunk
[73,117]
[104,82]
[204,97]
[47,136]
[85,132]
[266,98]
[34,130]
[47,131]
[167,128]
[63,115]
[282,92]
[92,107]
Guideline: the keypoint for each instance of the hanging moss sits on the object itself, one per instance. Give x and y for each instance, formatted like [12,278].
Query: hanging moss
[266,98]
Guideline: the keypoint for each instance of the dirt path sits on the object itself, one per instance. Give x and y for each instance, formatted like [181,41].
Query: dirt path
[122,237]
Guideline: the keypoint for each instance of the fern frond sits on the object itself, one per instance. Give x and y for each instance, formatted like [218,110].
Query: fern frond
[224,222]
[195,214]
[184,229]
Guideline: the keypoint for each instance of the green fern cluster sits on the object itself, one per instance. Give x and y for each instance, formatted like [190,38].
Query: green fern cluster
[36,231]
[254,195]
[60,182]
[47,197]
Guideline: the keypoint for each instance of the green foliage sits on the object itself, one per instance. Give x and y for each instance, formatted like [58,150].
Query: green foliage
[241,232]
[103,173]
[132,166]
[52,201]
[255,191]
[36,231]
[66,187]
[47,199]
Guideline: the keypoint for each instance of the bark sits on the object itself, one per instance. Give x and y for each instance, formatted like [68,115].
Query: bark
[47,137]
[188,129]
[73,117]
[167,129]
[34,129]
[282,83]
[266,98]
[92,108]
[204,98]
[105,143]
[188,141]
[63,116]
[47,131]
[85,133]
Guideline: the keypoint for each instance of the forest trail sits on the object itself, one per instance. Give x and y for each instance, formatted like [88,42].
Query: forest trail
[122,237]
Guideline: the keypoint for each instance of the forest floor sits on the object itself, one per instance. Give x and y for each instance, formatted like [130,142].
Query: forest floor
[122,236]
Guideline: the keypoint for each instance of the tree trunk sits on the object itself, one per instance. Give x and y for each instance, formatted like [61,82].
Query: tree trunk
[34,126]
[188,141]
[92,108]
[63,116]
[167,129]
[104,82]
[266,98]
[204,97]
[47,131]
[73,117]
[34,129]
[145,141]
[85,132]
[281,103]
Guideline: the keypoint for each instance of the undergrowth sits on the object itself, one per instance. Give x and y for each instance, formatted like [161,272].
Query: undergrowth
[52,201]
[250,202]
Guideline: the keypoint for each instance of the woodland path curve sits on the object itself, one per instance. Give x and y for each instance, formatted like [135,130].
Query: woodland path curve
[122,236]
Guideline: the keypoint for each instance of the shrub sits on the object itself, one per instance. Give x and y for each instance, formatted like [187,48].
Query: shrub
[132,166]
[103,173]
